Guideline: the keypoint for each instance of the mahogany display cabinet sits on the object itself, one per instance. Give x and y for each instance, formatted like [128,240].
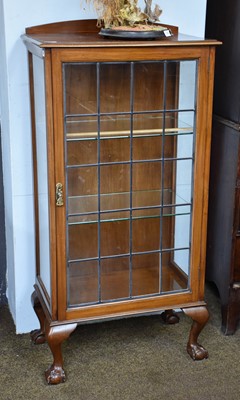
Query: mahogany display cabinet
[121,148]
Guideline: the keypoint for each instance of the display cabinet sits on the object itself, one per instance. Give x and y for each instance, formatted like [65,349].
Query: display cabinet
[121,140]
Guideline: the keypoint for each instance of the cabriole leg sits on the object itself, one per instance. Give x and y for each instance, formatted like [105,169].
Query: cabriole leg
[55,336]
[200,317]
[38,335]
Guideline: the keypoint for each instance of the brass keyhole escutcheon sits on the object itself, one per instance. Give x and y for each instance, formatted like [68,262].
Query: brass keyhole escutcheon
[59,194]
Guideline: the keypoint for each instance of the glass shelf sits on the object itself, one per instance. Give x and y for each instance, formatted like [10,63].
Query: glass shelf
[118,126]
[146,278]
[116,206]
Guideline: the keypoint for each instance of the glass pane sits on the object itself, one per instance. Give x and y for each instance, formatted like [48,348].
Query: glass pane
[187,84]
[82,181]
[114,201]
[115,149]
[149,124]
[115,178]
[115,125]
[80,88]
[148,86]
[114,93]
[42,175]
[145,234]
[147,148]
[147,176]
[173,277]
[181,240]
[78,127]
[115,237]
[145,274]
[83,282]
[184,179]
[145,199]
[81,152]
[183,75]
[172,82]
[82,241]
[87,205]
[115,278]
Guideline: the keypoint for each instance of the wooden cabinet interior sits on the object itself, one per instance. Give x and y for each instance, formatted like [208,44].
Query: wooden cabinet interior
[121,135]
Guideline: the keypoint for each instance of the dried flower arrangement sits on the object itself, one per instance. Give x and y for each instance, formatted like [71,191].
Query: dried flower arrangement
[125,13]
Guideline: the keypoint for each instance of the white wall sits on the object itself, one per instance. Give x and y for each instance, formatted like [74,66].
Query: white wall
[15,15]
[188,15]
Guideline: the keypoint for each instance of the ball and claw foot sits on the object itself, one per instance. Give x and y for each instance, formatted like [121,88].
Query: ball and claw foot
[200,317]
[55,375]
[196,351]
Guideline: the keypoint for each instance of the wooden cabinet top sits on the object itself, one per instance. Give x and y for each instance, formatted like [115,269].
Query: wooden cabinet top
[85,33]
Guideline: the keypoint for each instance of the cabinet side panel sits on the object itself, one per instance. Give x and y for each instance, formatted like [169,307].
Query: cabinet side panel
[40,91]
[41,174]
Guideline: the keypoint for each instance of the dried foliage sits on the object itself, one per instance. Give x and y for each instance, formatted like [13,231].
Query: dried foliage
[124,12]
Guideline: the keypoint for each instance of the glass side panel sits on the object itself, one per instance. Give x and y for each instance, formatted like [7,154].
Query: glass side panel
[42,177]
[129,166]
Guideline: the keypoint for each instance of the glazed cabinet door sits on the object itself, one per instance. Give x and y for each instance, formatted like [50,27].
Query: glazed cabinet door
[128,144]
